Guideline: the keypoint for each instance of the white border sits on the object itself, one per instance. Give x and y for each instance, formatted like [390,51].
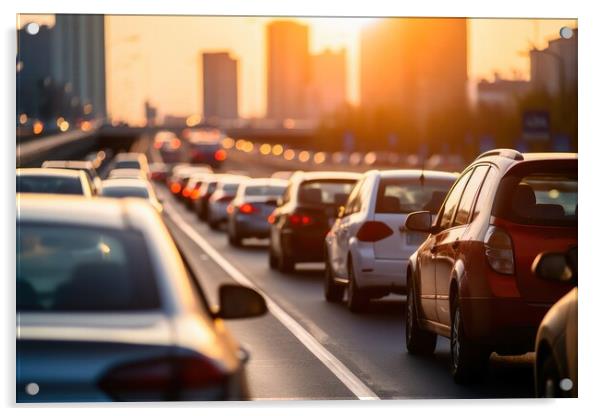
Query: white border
[590,71]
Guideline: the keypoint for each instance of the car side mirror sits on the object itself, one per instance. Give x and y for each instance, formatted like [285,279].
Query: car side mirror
[419,221]
[552,266]
[237,302]
[341,212]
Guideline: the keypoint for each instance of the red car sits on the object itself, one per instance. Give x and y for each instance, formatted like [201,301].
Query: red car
[471,280]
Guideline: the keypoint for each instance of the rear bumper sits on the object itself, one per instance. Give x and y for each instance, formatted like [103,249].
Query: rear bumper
[251,226]
[303,246]
[507,325]
[380,273]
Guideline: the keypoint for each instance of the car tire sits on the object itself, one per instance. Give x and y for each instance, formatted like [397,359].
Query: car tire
[233,238]
[469,360]
[418,341]
[356,300]
[548,380]
[332,291]
[285,264]
[273,261]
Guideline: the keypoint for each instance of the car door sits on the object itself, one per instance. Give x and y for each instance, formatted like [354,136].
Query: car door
[450,243]
[341,233]
[428,256]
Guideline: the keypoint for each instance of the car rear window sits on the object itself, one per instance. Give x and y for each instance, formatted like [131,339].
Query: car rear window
[264,190]
[539,198]
[123,192]
[402,196]
[325,192]
[230,187]
[127,164]
[49,185]
[69,268]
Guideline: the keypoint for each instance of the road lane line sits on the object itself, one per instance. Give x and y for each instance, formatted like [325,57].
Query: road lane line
[346,376]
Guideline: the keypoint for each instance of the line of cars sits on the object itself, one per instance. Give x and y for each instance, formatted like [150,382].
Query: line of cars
[107,306]
[464,248]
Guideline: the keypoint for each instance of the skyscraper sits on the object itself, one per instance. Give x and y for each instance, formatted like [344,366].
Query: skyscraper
[288,70]
[220,86]
[415,66]
[328,82]
[79,60]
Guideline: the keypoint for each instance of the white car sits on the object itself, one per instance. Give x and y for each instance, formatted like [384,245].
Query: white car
[131,188]
[108,310]
[367,248]
[54,181]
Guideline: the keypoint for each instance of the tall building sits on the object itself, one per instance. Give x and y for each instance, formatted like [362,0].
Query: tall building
[328,82]
[415,66]
[220,86]
[288,70]
[79,60]
[34,57]
[502,93]
[555,67]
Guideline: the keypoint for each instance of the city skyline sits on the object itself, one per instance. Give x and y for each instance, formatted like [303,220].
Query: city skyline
[136,45]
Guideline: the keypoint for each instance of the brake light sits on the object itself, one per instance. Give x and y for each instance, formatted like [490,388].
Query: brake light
[158,145]
[175,144]
[372,231]
[247,209]
[220,155]
[271,218]
[230,208]
[196,194]
[499,251]
[175,188]
[186,192]
[161,378]
[300,219]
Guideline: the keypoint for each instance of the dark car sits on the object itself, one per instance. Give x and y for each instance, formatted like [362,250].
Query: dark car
[305,213]
[248,212]
[556,343]
[471,280]
[204,146]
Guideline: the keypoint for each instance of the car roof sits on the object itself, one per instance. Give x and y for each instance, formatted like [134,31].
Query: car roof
[506,159]
[79,210]
[265,181]
[81,164]
[49,172]
[415,174]
[125,183]
[326,175]
[129,156]
[549,156]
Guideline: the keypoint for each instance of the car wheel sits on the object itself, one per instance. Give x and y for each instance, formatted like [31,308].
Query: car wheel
[273,261]
[356,300]
[233,237]
[285,264]
[332,291]
[468,359]
[548,383]
[418,341]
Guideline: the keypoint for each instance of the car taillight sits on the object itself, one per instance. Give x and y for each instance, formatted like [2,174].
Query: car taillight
[247,209]
[158,145]
[499,251]
[195,194]
[271,219]
[300,220]
[186,192]
[161,379]
[372,231]
[175,188]
[220,155]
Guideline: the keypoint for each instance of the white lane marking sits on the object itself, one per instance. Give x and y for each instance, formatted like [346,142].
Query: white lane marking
[350,380]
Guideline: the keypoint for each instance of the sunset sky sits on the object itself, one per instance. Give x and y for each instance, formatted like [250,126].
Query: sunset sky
[157,56]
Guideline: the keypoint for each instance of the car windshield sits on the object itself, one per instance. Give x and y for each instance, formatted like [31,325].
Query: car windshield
[230,188]
[49,185]
[264,190]
[325,192]
[75,268]
[127,164]
[402,196]
[125,191]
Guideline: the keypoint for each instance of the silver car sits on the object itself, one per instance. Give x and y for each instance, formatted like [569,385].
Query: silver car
[367,248]
[53,181]
[225,191]
[248,212]
[108,310]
